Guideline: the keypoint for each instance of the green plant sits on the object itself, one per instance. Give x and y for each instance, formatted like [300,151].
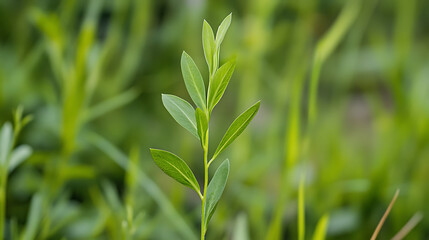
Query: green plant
[197,121]
[10,157]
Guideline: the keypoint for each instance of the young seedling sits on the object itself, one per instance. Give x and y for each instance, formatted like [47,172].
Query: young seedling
[196,121]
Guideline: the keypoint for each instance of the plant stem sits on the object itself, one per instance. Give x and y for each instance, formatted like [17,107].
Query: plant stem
[3,184]
[206,181]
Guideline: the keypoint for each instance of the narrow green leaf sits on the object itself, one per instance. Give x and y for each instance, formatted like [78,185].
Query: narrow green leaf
[219,83]
[236,128]
[110,104]
[34,217]
[181,111]
[208,45]
[221,31]
[175,167]
[193,81]
[19,155]
[241,228]
[321,227]
[215,190]
[202,124]
[6,138]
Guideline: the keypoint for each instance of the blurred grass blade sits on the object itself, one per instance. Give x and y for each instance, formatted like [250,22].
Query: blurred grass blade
[408,226]
[19,155]
[112,197]
[301,209]
[14,233]
[326,46]
[49,24]
[34,217]
[193,80]
[219,83]
[110,105]
[236,128]
[78,171]
[202,125]
[147,184]
[322,226]
[208,45]
[223,28]
[380,224]
[241,229]
[176,168]
[335,34]
[181,111]
[6,139]
[215,190]
[86,37]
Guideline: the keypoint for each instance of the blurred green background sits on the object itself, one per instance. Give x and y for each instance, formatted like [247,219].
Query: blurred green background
[91,74]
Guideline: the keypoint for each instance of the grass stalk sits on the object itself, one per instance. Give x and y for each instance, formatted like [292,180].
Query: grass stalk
[383,219]
[415,219]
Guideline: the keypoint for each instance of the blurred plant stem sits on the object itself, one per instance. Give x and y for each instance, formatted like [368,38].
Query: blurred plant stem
[3,184]
[296,68]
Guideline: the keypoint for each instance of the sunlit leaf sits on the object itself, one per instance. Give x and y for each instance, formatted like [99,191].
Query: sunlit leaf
[219,83]
[193,81]
[181,111]
[223,28]
[215,190]
[236,128]
[208,45]
[175,167]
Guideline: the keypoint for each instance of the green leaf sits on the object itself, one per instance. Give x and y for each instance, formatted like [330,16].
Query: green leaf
[321,227]
[181,111]
[208,45]
[193,81]
[215,190]
[6,138]
[175,167]
[221,31]
[236,128]
[18,156]
[202,125]
[34,217]
[219,83]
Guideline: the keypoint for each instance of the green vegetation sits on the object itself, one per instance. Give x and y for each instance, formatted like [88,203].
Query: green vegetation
[342,125]
[197,122]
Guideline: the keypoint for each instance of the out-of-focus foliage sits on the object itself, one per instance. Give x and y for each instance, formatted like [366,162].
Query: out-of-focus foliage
[344,102]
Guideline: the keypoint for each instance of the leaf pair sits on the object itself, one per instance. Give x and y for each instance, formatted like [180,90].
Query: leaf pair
[177,169]
[211,45]
[219,78]
[184,113]
[181,110]
[11,158]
